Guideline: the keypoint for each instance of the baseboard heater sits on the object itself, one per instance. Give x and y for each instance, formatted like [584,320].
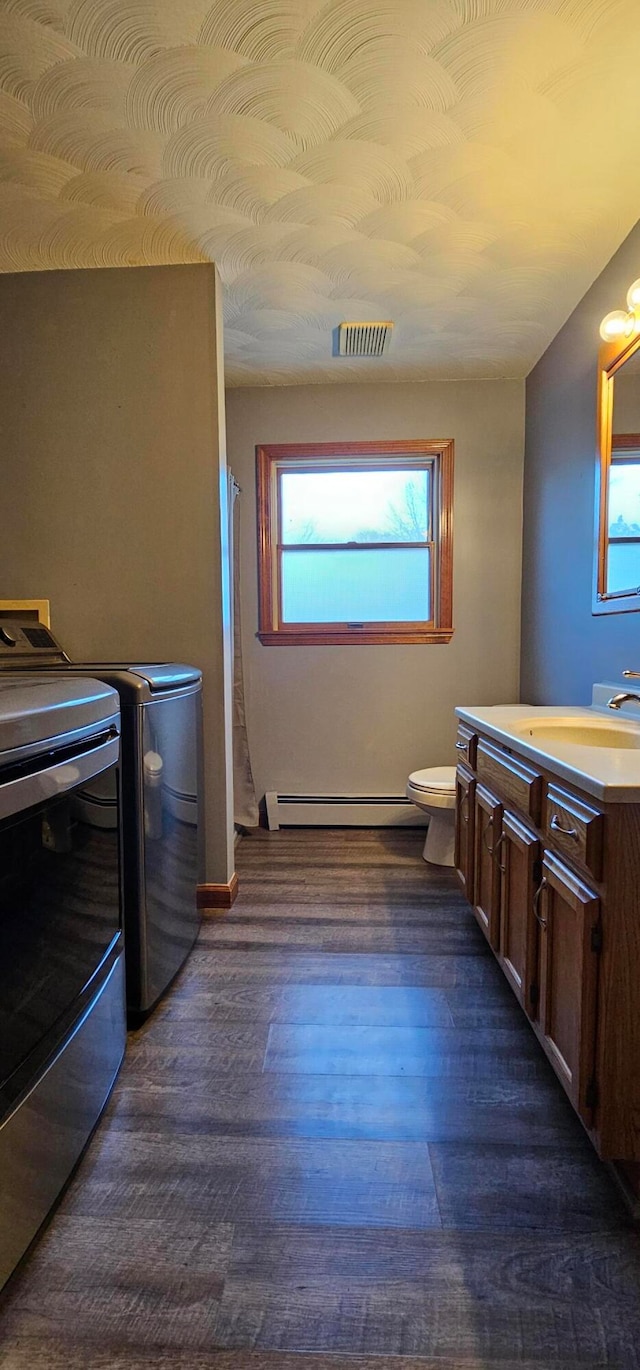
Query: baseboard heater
[341,810]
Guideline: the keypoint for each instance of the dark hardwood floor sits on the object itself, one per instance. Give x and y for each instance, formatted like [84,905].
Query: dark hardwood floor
[336,1144]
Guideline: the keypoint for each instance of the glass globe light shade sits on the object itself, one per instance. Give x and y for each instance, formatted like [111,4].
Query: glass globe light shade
[617,324]
[633,295]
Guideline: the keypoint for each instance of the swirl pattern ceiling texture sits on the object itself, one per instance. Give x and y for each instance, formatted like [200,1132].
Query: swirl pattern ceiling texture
[462,167]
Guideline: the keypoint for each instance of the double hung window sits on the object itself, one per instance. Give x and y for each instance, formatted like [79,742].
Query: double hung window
[355,542]
[622,539]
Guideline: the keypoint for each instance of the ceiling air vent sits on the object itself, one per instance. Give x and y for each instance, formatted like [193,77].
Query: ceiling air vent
[363,339]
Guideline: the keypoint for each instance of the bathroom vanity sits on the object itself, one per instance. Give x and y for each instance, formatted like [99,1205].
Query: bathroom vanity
[548,855]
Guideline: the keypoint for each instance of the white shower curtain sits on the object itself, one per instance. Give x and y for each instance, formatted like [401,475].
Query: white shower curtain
[244,795]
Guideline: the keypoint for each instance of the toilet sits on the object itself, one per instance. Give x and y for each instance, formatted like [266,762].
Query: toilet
[434,791]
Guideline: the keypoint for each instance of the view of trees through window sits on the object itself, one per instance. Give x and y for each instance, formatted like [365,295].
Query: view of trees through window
[355,506]
[624,499]
[623,556]
[337,515]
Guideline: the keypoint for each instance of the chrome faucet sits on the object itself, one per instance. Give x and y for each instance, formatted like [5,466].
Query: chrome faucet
[616,700]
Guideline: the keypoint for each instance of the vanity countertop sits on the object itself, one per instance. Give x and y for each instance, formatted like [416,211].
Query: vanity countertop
[610,774]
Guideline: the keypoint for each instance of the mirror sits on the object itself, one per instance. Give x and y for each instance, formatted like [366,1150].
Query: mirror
[617,578]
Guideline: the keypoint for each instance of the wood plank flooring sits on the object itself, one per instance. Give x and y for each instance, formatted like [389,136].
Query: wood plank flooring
[335,1146]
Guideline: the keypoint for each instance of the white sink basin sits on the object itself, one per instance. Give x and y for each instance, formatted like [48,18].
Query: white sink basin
[579,731]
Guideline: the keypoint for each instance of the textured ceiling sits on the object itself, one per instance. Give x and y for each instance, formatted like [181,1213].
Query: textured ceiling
[463,167]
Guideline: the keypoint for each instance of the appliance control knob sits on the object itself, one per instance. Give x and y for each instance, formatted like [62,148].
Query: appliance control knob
[6,637]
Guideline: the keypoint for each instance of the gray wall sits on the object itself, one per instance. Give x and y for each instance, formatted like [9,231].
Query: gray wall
[114,478]
[357,720]
[564,647]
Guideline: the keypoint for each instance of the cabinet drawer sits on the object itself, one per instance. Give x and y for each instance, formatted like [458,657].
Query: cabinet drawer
[466,745]
[512,780]
[575,828]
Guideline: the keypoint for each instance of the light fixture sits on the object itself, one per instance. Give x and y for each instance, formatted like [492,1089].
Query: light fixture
[617,324]
[621,323]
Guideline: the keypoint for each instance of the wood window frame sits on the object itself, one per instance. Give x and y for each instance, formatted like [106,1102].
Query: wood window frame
[612,357]
[437,457]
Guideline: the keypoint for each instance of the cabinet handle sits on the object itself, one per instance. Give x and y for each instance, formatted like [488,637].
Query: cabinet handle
[485,835]
[631,675]
[461,746]
[536,901]
[496,849]
[556,826]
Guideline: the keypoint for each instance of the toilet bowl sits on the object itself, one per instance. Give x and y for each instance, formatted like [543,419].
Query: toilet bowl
[434,791]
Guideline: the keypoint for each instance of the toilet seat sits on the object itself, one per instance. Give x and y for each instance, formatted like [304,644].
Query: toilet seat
[439,779]
[435,786]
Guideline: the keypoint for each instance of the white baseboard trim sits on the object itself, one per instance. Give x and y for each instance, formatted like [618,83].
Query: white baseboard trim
[337,811]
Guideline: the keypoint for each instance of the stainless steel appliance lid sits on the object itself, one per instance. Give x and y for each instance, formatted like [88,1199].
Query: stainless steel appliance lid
[158,676]
[40,712]
[137,685]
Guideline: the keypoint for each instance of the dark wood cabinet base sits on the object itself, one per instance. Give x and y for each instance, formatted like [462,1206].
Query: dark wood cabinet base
[552,879]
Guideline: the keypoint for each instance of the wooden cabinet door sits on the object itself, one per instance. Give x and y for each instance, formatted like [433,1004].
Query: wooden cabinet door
[520,867]
[488,828]
[570,939]
[465,815]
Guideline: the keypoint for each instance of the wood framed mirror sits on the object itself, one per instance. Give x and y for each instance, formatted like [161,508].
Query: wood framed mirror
[617,502]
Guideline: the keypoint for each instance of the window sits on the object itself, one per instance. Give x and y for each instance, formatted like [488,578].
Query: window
[622,552]
[355,542]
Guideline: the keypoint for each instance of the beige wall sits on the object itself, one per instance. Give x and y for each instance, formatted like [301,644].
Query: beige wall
[357,720]
[114,478]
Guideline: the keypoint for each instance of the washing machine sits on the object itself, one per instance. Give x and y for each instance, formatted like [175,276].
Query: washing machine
[160,819]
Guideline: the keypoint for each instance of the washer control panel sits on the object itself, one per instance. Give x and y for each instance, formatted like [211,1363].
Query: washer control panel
[28,641]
